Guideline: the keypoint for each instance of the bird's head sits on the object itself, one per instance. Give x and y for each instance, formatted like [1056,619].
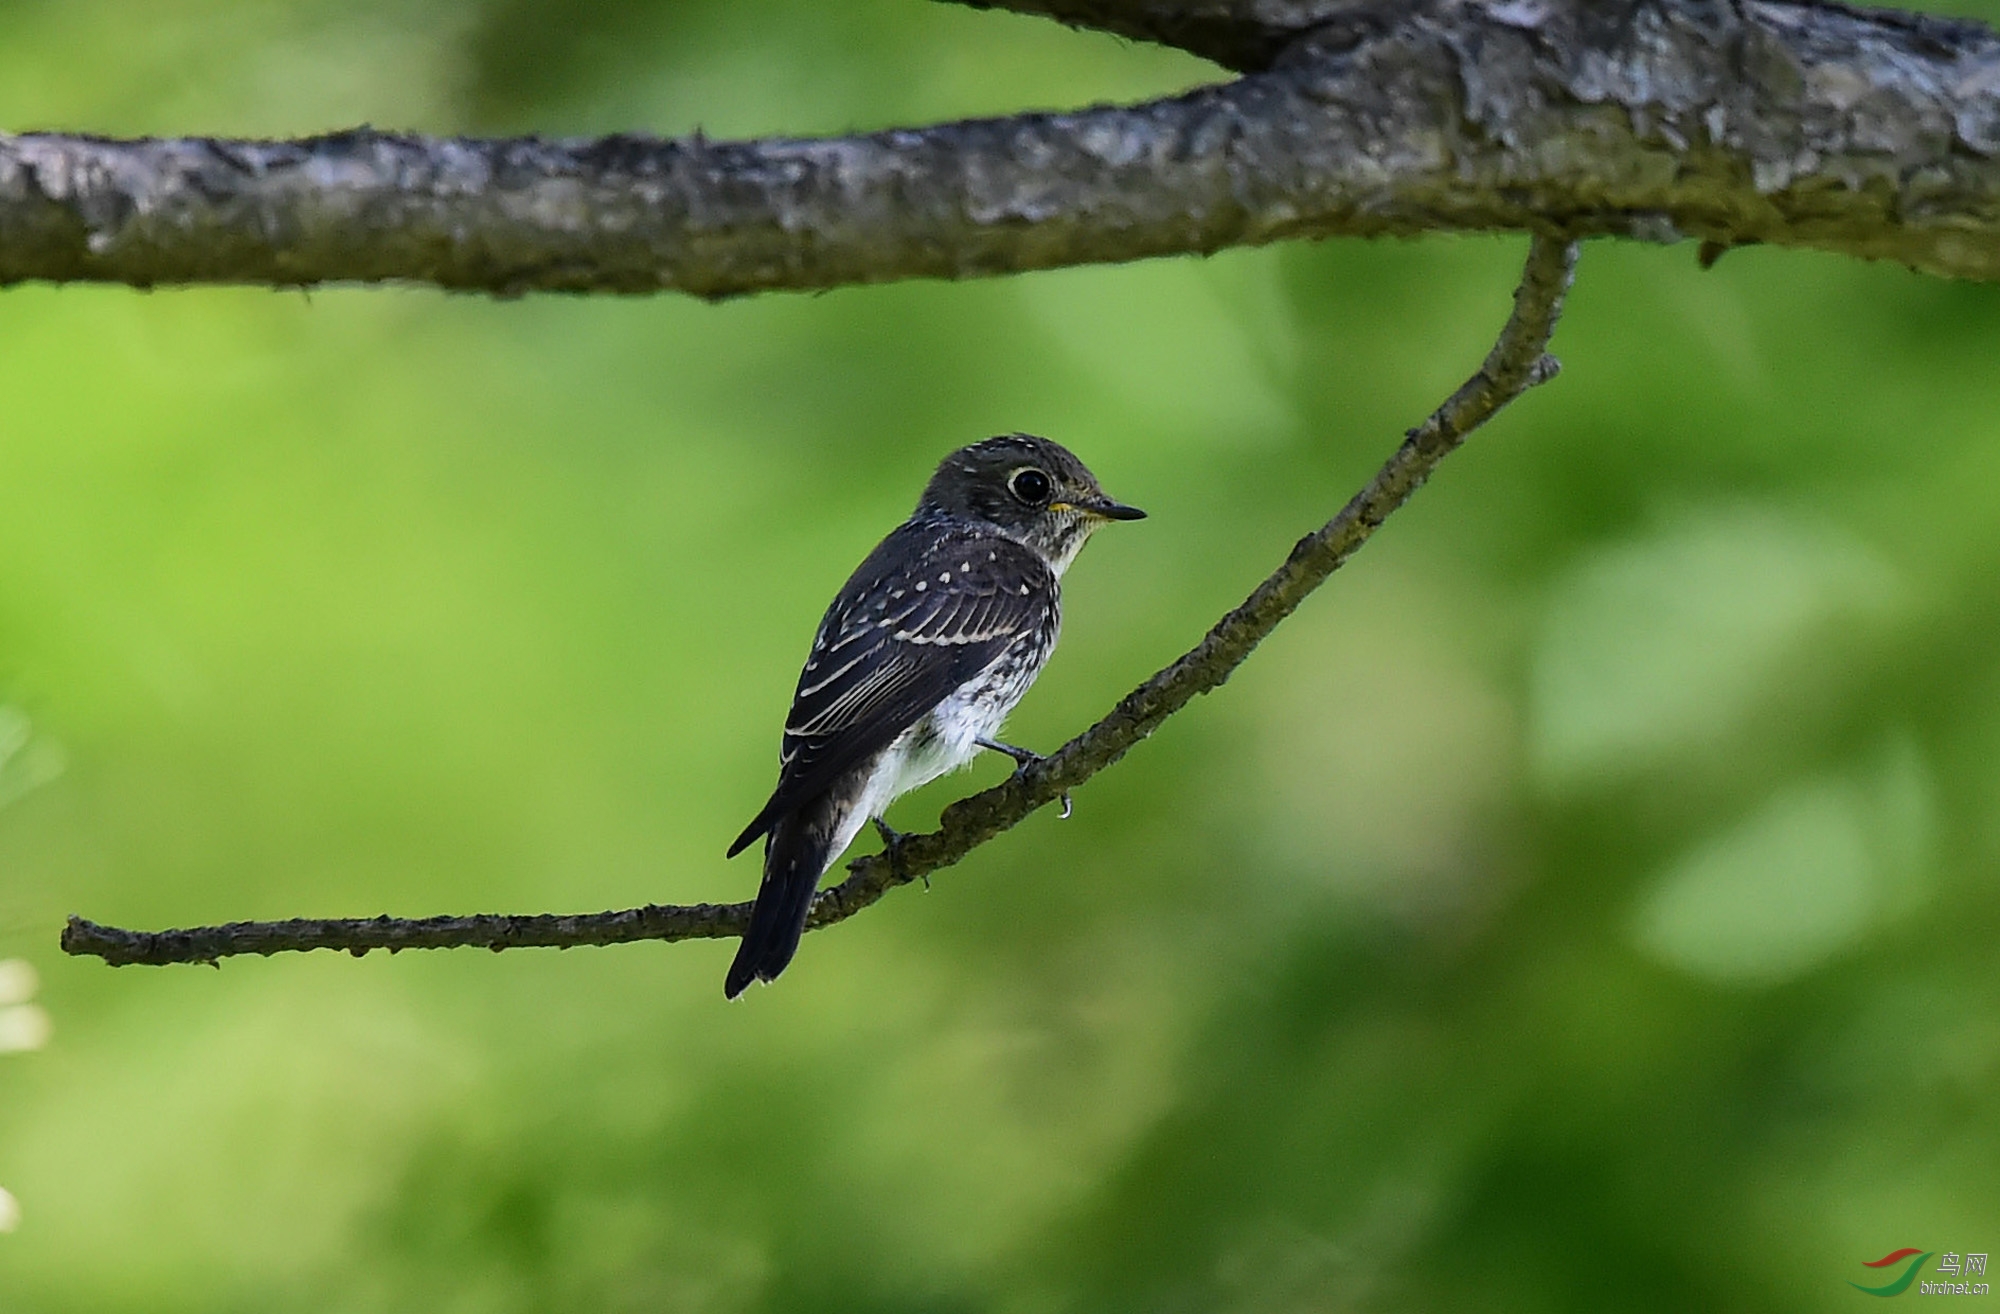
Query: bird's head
[1033,490]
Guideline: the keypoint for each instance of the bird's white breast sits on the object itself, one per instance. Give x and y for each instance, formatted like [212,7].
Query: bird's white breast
[943,741]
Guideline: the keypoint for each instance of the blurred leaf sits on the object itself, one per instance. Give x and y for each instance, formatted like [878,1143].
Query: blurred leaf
[1817,868]
[1666,644]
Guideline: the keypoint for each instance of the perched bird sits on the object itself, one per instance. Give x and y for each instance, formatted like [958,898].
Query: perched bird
[923,653]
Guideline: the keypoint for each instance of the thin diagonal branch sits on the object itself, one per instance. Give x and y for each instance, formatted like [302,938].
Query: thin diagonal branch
[1516,363]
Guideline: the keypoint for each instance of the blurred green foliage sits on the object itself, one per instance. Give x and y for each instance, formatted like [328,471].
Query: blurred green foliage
[1589,901]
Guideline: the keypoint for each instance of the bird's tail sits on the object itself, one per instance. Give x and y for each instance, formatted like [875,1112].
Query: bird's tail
[796,854]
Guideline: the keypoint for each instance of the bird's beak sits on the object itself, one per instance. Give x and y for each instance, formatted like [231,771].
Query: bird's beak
[1101,508]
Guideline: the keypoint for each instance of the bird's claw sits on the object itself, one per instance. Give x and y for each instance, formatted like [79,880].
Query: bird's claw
[1023,759]
[892,846]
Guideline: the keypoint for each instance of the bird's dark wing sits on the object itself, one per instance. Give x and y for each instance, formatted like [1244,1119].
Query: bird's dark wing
[930,609]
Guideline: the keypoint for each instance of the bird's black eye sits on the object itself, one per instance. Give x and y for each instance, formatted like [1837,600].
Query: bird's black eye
[1030,485]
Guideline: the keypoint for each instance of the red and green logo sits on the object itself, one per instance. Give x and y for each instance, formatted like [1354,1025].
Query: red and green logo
[1909,1274]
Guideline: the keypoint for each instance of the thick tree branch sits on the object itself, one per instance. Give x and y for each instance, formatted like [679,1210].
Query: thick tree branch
[1870,134]
[1515,364]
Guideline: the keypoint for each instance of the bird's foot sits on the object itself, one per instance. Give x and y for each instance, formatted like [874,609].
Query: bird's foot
[1023,759]
[892,846]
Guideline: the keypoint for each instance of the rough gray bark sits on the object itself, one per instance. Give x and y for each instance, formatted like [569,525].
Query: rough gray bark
[1868,133]
[1516,363]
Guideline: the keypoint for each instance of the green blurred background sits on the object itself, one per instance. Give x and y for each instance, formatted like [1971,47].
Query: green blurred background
[1588,901]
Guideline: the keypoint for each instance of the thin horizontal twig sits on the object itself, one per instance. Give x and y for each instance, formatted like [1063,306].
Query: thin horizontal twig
[1516,363]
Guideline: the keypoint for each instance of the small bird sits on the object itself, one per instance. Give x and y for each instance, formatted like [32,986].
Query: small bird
[926,648]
